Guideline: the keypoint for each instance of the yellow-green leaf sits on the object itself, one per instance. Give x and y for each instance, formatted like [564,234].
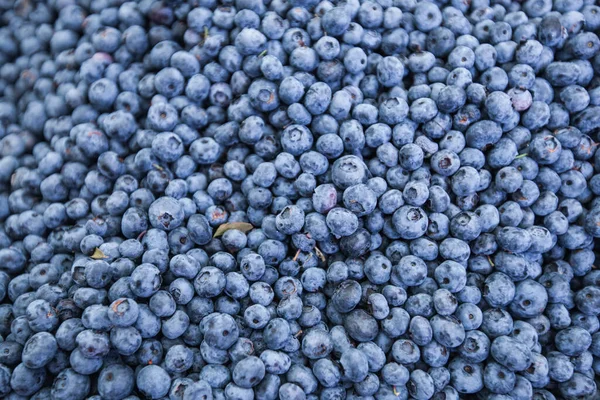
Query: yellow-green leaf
[98,254]
[240,226]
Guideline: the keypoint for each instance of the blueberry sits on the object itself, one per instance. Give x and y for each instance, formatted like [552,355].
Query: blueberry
[410,222]
[360,326]
[342,222]
[578,385]
[411,270]
[396,323]
[354,364]
[152,381]
[69,383]
[567,344]
[423,110]
[560,368]
[296,139]
[511,353]
[447,331]
[25,381]
[465,376]
[290,220]
[39,350]
[421,384]
[390,71]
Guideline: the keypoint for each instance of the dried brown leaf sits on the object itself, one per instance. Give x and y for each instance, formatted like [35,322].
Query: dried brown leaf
[98,255]
[240,226]
[320,254]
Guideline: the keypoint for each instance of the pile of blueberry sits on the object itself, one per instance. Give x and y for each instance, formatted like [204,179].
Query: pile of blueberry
[299,199]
